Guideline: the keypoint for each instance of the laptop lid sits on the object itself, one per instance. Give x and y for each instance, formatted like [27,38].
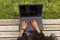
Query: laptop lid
[30,10]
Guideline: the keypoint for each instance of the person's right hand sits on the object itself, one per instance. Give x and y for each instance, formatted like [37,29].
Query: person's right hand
[35,26]
[24,24]
[34,23]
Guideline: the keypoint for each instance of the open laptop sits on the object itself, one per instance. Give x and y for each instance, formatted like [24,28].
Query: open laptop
[29,12]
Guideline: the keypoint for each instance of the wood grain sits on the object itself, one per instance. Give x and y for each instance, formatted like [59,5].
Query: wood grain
[16,38]
[16,27]
[15,34]
[9,28]
[51,27]
[17,21]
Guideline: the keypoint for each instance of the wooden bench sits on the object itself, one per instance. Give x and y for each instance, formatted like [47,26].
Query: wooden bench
[9,28]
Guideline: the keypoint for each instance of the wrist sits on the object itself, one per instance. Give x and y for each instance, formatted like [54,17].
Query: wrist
[22,29]
[21,33]
[39,31]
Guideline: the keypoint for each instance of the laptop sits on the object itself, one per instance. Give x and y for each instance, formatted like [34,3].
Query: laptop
[29,12]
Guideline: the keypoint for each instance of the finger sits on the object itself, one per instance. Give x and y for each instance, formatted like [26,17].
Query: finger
[24,21]
[32,20]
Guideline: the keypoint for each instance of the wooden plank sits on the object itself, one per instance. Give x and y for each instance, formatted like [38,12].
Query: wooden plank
[16,27]
[9,21]
[9,28]
[48,33]
[58,38]
[8,34]
[17,21]
[15,34]
[51,27]
[8,38]
[51,21]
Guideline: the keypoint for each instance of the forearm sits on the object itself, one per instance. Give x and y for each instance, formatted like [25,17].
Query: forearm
[21,33]
[37,29]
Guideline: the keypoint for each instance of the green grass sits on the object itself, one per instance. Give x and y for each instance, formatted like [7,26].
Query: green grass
[9,8]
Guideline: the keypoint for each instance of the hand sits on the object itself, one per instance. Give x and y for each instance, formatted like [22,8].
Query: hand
[34,23]
[35,26]
[24,25]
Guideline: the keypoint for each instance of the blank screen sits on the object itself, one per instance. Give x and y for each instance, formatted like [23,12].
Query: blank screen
[30,10]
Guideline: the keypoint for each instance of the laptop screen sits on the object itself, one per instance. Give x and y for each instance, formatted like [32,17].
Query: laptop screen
[30,10]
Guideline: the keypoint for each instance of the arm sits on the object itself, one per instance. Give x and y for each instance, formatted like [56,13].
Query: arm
[21,33]
[23,27]
[40,35]
[35,26]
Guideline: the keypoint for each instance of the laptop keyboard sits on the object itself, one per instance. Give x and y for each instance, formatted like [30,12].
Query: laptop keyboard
[28,19]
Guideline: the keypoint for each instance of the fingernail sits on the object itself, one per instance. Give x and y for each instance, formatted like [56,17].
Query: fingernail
[25,21]
[32,21]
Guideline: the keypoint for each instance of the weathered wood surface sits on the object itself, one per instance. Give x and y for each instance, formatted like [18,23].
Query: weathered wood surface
[9,28]
[48,33]
[16,27]
[51,21]
[16,38]
[51,27]
[8,34]
[9,22]
[8,38]
[15,34]
[17,21]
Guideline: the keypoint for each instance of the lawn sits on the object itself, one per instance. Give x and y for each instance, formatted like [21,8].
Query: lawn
[9,8]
